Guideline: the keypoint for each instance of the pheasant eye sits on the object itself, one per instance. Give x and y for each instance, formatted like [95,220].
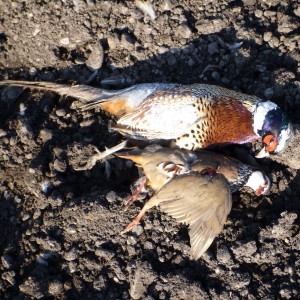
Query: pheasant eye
[271,142]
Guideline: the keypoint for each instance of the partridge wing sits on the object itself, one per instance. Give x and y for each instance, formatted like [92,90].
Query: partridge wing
[201,201]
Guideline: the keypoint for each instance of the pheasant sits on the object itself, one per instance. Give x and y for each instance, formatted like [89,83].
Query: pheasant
[188,116]
[194,188]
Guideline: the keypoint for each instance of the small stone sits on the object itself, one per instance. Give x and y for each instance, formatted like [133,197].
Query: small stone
[171,60]
[297,11]
[96,57]
[2,133]
[281,185]
[91,3]
[269,92]
[127,41]
[25,217]
[267,36]
[223,254]
[55,288]
[258,13]
[184,31]
[111,197]
[113,42]
[7,261]
[45,135]
[138,230]
[213,48]
[216,75]
[60,112]
[71,255]
[60,166]
[10,94]
[249,2]
[64,41]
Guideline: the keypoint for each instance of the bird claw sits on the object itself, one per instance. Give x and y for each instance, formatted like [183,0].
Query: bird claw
[90,162]
[141,184]
[130,227]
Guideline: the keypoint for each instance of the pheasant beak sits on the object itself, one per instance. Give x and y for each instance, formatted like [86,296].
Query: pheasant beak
[262,153]
[265,188]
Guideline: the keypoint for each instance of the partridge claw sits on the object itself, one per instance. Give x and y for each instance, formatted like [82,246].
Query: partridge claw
[130,227]
[141,184]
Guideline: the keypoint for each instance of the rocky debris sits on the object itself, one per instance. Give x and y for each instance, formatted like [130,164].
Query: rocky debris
[59,228]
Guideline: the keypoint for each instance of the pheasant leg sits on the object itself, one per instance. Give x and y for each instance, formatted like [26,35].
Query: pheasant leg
[91,161]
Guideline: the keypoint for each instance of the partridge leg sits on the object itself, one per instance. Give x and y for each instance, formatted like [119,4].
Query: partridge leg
[141,184]
[91,161]
[152,202]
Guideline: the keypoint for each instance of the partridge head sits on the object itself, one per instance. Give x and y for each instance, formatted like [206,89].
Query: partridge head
[188,116]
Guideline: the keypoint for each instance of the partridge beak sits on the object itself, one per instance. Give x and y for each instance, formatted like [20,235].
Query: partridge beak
[263,153]
[263,190]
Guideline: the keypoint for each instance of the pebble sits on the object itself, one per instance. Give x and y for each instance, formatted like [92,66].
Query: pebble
[184,31]
[268,93]
[25,217]
[7,261]
[10,94]
[45,135]
[172,60]
[55,287]
[96,57]
[241,280]
[60,112]
[70,255]
[213,48]
[9,277]
[216,75]
[60,166]
[64,41]
[223,254]
[138,230]
[2,133]
[111,197]
[267,36]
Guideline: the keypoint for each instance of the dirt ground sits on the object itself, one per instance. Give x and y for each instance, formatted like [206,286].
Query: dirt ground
[60,229]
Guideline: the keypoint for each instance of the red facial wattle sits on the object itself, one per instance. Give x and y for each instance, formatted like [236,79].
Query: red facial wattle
[271,142]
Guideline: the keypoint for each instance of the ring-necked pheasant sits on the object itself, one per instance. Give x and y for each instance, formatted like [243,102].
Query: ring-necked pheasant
[194,188]
[190,116]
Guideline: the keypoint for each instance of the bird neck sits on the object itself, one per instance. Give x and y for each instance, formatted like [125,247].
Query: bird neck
[232,122]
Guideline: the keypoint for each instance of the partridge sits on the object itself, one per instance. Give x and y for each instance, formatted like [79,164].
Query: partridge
[160,164]
[189,116]
[193,187]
